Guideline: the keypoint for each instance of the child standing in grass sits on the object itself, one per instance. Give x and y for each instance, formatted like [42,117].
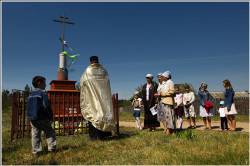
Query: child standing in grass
[40,115]
[223,118]
[137,102]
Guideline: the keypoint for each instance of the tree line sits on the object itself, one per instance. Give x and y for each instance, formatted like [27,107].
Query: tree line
[7,97]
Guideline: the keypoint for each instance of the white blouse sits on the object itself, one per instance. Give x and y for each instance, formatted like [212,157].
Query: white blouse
[177,98]
[159,89]
[166,85]
[188,97]
[147,92]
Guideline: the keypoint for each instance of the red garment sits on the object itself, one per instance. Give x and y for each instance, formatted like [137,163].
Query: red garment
[208,106]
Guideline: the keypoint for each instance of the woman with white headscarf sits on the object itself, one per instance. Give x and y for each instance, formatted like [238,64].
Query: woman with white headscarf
[149,101]
[167,96]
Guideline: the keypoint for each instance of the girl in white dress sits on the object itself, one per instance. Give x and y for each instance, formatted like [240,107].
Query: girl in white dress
[188,99]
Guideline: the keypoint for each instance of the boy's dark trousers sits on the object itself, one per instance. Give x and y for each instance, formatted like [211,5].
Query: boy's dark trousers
[223,121]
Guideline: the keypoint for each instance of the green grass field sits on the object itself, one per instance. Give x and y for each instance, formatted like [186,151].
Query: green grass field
[134,147]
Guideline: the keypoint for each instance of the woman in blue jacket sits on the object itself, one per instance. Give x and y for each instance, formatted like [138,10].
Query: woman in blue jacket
[230,110]
[203,97]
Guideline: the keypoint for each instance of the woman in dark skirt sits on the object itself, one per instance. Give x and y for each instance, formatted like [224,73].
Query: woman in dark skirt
[149,101]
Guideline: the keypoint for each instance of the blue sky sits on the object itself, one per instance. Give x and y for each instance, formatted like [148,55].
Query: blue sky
[196,41]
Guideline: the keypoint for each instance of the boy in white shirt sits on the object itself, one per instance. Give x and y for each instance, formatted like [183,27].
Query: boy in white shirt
[137,102]
[223,119]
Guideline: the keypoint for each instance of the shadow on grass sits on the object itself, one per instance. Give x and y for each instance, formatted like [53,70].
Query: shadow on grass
[199,126]
[215,127]
[64,148]
[120,136]
[9,149]
[239,129]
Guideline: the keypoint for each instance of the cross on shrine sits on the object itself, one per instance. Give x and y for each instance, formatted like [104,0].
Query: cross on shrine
[63,21]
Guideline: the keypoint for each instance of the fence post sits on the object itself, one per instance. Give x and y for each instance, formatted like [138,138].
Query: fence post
[18,110]
[13,120]
[28,123]
[117,114]
[23,115]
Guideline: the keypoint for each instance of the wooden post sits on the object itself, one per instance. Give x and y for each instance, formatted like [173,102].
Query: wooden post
[28,126]
[117,114]
[58,106]
[14,123]
[23,115]
[18,108]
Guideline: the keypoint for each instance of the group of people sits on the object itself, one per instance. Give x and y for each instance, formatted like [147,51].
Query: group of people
[169,103]
[97,108]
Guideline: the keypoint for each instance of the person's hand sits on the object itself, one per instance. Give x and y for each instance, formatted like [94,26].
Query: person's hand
[155,106]
[142,105]
[228,109]
[175,107]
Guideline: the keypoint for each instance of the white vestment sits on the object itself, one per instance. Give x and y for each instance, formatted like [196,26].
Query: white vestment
[96,99]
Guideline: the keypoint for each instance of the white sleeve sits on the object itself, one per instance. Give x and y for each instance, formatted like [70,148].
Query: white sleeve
[184,99]
[171,84]
[192,97]
[140,102]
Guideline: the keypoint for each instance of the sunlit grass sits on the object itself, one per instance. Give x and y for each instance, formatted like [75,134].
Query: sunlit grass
[134,147]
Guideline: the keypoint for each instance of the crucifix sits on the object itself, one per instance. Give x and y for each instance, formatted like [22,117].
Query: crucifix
[67,22]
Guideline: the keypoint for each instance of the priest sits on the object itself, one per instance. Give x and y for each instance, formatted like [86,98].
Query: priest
[96,100]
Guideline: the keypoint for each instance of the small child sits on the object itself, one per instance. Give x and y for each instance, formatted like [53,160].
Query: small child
[40,115]
[223,119]
[137,102]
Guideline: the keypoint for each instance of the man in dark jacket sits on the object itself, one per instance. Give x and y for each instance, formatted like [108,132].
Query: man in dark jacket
[40,115]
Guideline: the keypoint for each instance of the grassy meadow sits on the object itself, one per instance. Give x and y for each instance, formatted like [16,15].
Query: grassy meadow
[134,147]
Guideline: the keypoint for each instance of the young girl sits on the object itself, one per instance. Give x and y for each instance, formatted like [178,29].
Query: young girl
[179,111]
[230,110]
[137,102]
[188,99]
[223,119]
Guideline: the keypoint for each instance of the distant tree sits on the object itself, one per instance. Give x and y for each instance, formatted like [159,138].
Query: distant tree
[15,91]
[27,90]
[6,100]
[124,103]
[139,89]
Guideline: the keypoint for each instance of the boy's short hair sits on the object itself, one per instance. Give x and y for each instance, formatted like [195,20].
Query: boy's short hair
[37,79]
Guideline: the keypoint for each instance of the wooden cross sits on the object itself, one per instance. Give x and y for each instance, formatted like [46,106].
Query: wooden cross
[63,21]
